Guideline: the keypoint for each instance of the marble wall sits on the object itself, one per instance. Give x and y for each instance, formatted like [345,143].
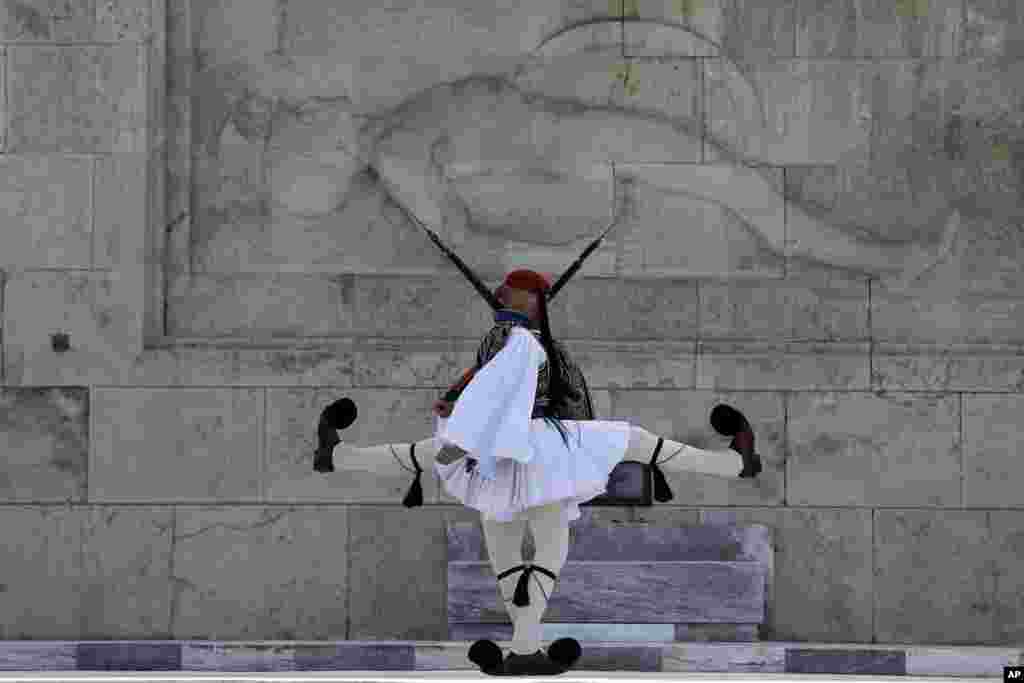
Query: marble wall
[818,218]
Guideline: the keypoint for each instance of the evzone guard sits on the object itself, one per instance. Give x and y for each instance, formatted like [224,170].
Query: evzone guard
[516,439]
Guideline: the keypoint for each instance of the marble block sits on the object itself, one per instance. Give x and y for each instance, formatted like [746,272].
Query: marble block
[260,573]
[221,656]
[818,661]
[81,20]
[176,445]
[936,579]
[79,99]
[45,203]
[128,656]
[355,657]
[890,450]
[879,29]
[38,656]
[44,436]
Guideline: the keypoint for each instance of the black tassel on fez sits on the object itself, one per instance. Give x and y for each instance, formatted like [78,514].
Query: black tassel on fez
[414,498]
[662,492]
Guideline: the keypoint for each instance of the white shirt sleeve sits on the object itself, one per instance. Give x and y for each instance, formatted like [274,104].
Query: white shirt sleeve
[492,417]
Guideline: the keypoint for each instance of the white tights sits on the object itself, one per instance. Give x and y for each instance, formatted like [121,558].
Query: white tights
[674,456]
[504,546]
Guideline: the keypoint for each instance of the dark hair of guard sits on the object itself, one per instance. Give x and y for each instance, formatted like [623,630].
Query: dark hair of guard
[560,391]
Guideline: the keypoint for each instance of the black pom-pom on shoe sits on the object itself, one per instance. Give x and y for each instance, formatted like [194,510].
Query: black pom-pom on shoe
[338,415]
[728,421]
[565,652]
[487,655]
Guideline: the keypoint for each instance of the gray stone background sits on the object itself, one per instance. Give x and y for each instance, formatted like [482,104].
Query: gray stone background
[820,221]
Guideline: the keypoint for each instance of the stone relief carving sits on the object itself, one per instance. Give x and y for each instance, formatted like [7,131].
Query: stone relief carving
[296,134]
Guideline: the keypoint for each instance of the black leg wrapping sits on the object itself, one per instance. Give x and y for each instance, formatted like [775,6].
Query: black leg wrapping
[662,492]
[521,598]
[414,497]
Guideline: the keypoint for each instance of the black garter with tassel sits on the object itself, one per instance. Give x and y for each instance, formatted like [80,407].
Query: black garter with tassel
[521,598]
[414,498]
[662,492]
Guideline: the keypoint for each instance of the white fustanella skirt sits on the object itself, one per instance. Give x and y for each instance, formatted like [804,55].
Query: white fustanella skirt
[523,462]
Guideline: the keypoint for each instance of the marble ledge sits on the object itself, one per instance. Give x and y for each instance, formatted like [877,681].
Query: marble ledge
[254,656]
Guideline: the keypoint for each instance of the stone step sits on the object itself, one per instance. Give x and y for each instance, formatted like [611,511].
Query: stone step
[398,656]
[623,592]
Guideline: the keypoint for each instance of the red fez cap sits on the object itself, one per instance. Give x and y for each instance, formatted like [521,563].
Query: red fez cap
[528,280]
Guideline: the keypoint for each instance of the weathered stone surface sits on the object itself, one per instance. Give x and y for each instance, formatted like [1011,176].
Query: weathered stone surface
[85,20]
[601,77]
[397,559]
[464,37]
[180,67]
[747,32]
[120,211]
[762,658]
[878,662]
[861,449]
[45,201]
[260,573]
[237,657]
[98,311]
[878,28]
[822,571]
[250,306]
[42,560]
[126,588]
[1007,534]
[44,434]
[994,29]
[35,656]
[976,367]
[88,99]
[683,416]
[128,656]
[241,306]
[631,310]
[933,661]
[806,366]
[992,464]
[716,632]
[620,658]
[3,100]
[420,307]
[819,307]
[774,112]
[933,579]
[176,445]
[355,657]
[933,318]
[384,417]
[585,633]
[696,221]
[452,656]
[911,139]
[628,364]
